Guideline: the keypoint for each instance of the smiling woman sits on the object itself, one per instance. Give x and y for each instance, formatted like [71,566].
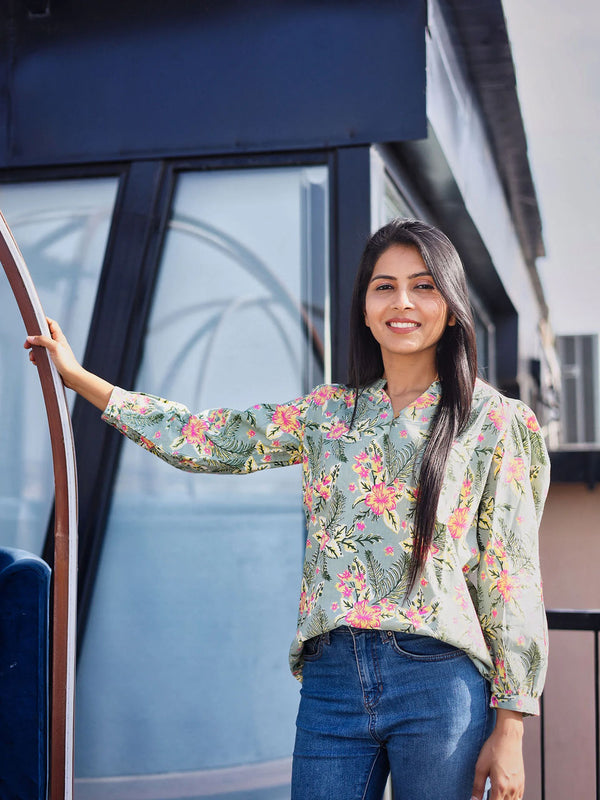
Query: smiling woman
[423,489]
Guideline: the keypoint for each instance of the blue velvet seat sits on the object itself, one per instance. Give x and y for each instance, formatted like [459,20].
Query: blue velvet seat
[24,625]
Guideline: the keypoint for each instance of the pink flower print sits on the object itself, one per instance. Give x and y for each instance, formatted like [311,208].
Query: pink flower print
[334,606]
[352,487]
[481,437]
[157,435]
[500,668]
[359,581]
[324,488]
[489,559]
[329,414]
[515,470]
[389,551]
[508,586]
[403,524]
[494,701]
[384,415]
[424,401]
[345,575]
[363,615]
[423,581]
[361,526]
[337,430]
[413,616]
[532,423]
[286,418]
[381,498]
[251,433]
[309,497]
[324,539]
[308,543]
[498,417]
[466,488]
[519,520]
[193,430]
[321,395]
[404,434]
[267,458]
[494,612]
[347,591]
[458,521]
[302,603]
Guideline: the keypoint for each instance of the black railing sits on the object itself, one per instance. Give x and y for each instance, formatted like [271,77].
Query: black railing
[569,620]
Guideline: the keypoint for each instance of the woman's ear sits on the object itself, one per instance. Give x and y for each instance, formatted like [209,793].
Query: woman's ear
[451,320]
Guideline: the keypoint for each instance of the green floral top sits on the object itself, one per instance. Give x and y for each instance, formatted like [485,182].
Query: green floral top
[480,589]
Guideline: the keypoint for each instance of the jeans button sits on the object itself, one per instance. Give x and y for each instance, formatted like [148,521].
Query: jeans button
[389,634]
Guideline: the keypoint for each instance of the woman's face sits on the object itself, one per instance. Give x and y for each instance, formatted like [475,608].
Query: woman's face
[404,309]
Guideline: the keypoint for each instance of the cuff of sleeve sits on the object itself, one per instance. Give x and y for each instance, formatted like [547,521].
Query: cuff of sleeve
[527,705]
[115,403]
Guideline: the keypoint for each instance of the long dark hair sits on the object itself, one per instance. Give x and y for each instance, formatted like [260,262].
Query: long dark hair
[456,361]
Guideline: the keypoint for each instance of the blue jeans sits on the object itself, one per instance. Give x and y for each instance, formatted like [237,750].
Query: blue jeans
[375,702]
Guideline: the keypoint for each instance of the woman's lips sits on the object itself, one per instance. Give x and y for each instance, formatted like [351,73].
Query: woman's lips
[403,326]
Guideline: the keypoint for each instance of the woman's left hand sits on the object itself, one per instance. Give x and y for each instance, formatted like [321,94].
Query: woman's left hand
[501,759]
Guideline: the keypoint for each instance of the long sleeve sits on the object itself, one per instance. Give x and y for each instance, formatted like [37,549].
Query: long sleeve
[509,591]
[218,440]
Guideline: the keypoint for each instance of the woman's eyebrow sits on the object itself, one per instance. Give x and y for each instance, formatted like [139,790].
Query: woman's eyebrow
[425,274]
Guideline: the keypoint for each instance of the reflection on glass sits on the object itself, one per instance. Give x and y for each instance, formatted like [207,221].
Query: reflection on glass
[61,228]
[184,664]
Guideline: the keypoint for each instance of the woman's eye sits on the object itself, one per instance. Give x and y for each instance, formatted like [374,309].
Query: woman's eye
[381,286]
[425,286]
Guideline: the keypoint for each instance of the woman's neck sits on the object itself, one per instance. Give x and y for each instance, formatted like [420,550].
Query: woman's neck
[404,383]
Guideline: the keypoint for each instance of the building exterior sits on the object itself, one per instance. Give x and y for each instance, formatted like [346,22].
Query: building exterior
[192,185]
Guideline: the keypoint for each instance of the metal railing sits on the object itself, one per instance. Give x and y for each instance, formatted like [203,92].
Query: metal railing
[571,620]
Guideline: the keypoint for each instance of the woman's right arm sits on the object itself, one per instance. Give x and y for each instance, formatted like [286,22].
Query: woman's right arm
[218,440]
[88,385]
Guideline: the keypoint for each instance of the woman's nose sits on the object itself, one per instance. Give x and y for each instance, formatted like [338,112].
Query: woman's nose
[403,299]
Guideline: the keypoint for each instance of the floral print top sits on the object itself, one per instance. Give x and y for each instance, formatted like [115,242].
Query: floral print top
[480,589]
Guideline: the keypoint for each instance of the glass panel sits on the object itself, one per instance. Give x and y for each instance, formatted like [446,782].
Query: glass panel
[482,337]
[184,664]
[62,229]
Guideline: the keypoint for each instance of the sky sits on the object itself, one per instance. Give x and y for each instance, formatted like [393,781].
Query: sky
[556,50]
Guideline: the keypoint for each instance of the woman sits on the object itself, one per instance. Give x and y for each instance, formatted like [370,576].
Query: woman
[421,635]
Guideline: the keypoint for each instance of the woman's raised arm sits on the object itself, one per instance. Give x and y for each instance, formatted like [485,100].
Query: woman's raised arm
[94,389]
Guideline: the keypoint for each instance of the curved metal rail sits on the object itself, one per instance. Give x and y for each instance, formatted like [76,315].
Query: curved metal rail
[65,524]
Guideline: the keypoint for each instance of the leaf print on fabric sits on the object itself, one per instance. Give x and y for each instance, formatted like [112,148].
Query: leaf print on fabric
[419,613]
[532,661]
[317,624]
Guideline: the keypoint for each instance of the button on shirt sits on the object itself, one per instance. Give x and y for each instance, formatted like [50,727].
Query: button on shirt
[480,589]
